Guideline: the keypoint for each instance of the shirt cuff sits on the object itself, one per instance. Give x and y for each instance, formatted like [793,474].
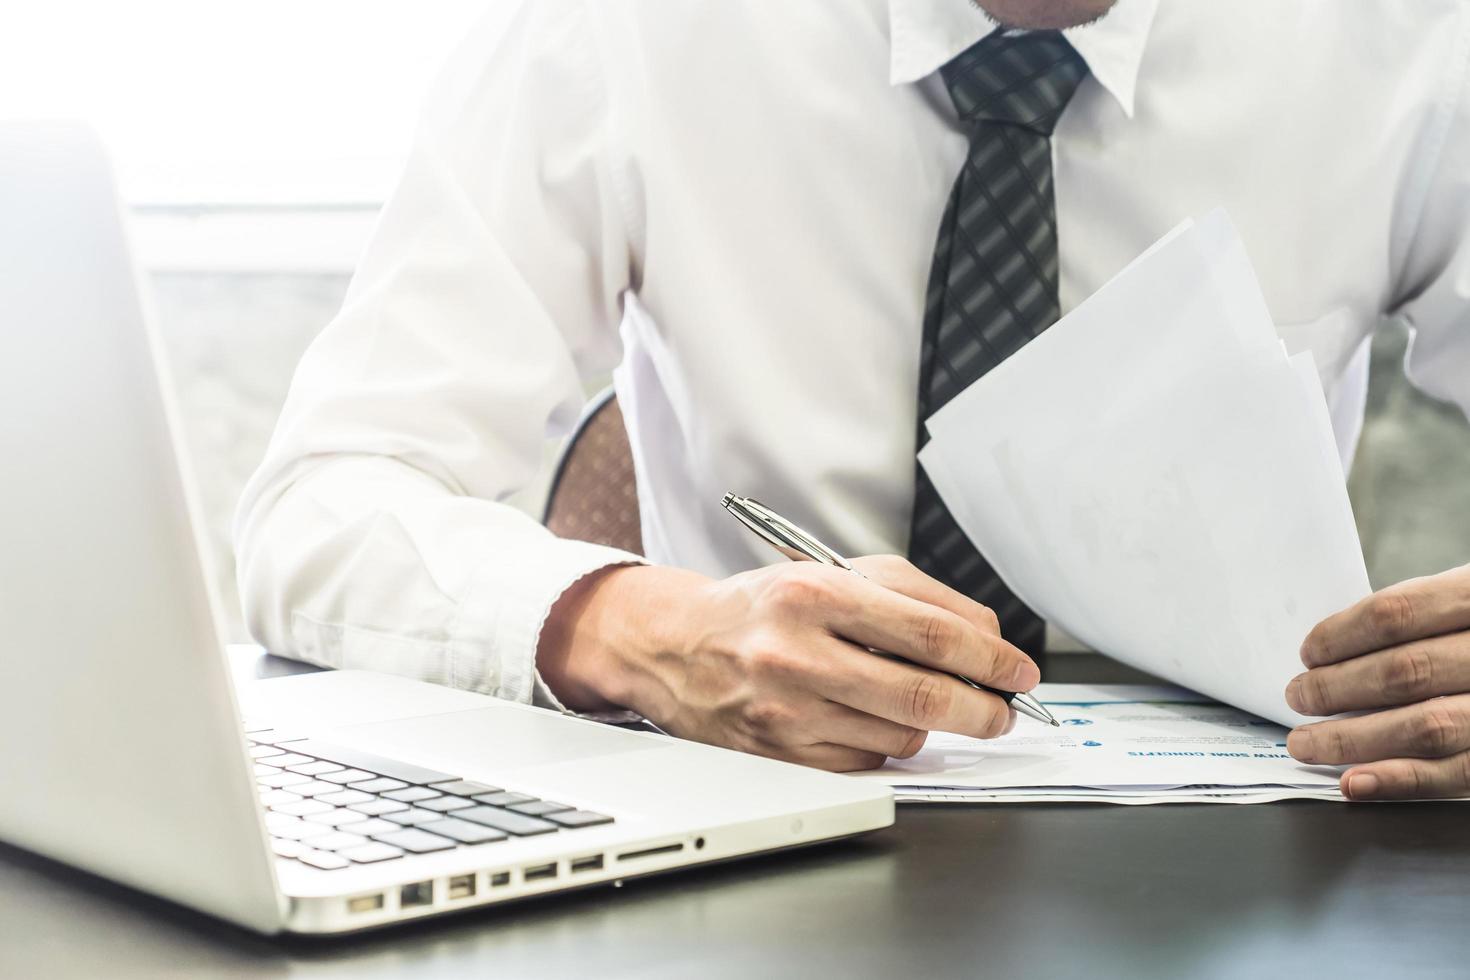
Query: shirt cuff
[499,625]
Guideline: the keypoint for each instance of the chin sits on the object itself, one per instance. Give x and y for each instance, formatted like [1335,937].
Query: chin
[1044,14]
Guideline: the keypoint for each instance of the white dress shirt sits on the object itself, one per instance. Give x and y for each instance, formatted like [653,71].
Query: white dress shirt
[735,203]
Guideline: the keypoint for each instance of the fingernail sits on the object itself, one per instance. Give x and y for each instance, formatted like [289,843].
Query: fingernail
[1294,693]
[1026,676]
[1299,744]
[1362,785]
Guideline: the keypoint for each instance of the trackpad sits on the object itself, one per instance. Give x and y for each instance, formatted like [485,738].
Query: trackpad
[493,740]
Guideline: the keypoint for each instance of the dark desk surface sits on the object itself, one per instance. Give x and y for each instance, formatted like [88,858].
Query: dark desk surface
[1310,889]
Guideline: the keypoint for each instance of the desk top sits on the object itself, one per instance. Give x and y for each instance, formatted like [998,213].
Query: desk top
[1031,890]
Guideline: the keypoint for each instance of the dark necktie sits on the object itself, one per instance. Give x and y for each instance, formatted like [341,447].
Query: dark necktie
[993,285]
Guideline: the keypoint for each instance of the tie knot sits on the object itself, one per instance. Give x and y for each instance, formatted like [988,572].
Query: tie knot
[1019,79]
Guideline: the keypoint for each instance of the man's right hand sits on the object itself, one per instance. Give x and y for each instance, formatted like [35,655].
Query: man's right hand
[776,661]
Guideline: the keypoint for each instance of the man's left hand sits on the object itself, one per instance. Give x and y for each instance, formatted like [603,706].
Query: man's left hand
[1404,650]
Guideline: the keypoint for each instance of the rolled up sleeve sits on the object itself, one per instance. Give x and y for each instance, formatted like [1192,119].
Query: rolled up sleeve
[374,535]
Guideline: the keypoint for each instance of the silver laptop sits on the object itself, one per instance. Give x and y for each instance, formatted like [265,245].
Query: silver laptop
[355,799]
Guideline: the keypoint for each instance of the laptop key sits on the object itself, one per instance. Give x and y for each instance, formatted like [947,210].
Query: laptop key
[302,808]
[288,848]
[337,817]
[261,769]
[325,860]
[463,831]
[264,751]
[511,823]
[503,798]
[316,788]
[415,840]
[446,803]
[274,820]
[538,808]
[337,840]
[299,830]
[280,780]
[579,818]
[376,807]
[412,794]
[315,768]
[412,816]
[371,852]
[371,826]
[343,776]
[342,797]
[276,797]
[463,787]
[381,765]
[288,760]
[378,784]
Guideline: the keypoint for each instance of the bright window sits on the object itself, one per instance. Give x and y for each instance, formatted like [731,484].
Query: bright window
[241,102]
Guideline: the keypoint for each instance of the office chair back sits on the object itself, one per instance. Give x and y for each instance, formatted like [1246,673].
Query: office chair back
[594,493]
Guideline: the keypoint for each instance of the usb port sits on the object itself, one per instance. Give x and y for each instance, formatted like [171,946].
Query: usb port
[365,903]
[499,878]
[417,894]
[461,886]
[541,871]
[591,862]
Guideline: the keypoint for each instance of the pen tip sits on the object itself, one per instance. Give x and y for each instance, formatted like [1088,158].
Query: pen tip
[1055,723]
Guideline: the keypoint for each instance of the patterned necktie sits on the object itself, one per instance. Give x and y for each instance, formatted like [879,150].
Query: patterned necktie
[993,285]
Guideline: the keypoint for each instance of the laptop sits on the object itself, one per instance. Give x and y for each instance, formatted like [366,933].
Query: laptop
[335,801]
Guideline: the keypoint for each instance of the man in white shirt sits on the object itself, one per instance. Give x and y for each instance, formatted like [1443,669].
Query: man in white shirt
[814,221]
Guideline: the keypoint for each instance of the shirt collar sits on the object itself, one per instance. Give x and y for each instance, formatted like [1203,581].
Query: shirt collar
[928,33]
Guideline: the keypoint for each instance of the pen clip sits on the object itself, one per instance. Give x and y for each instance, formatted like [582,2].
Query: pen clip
[780,533]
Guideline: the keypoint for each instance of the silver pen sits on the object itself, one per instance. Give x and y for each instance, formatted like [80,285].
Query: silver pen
[799,545]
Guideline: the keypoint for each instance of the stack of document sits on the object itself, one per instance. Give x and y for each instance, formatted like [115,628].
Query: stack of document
[1157,477]
[1116,744]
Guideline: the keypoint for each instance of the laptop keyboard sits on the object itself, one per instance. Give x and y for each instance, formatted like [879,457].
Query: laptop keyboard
[330,807]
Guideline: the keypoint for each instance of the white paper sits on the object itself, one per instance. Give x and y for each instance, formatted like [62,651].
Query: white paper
[1127,799]
[1156,477]
[1116,744]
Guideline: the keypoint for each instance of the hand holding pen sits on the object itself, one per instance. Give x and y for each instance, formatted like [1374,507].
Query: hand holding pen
[779,660]
[800,545]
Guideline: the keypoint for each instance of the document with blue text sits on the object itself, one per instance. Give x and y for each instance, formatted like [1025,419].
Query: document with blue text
[1116,744]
